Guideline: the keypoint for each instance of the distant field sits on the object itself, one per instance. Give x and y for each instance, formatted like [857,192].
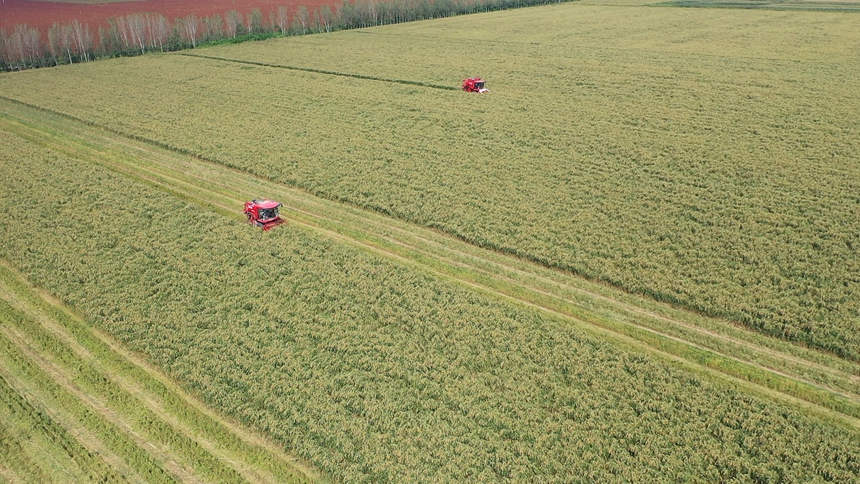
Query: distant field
[702,157]
[808,5]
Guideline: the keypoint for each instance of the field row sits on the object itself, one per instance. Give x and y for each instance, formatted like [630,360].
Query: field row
[371,369]
[719,178]
[78,408]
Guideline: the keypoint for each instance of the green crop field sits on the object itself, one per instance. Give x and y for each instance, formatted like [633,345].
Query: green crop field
[635,260]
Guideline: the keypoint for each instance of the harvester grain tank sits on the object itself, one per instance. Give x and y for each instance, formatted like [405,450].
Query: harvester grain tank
[263,213]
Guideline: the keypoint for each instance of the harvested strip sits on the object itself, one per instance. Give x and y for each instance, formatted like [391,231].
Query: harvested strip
[320,71]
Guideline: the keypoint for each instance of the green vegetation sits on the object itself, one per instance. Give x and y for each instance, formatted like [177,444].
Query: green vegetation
[703,158]
[365,367]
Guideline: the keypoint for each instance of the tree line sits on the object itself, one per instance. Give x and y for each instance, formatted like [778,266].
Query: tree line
[24,47]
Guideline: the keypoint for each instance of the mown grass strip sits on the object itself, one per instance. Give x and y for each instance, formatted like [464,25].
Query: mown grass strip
[689,351]
[685,350]
[100,384]
[70,330]
[96,469]
[108,432]
[322,71]
[654,328]
[15,459]
[818,368]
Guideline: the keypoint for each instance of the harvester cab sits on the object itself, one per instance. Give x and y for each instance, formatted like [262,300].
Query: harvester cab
[263,213]
[474,84]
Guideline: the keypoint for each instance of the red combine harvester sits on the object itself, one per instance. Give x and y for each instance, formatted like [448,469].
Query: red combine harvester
[263,213]
[474,84]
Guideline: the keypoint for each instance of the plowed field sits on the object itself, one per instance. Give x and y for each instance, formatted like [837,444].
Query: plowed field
[43,14]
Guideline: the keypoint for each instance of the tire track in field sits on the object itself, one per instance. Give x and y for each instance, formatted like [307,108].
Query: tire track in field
[321,71]
[402,241]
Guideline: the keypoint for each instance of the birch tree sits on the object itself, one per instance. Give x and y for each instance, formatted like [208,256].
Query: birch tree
[4,55]
[282,19]
[157,30]
[109,37]
[213,28]
[25,45]
[301,19]
[136,24]
[327,17]
[255,21]
[124,34]
[82,39]
[66,41]
[190,29]
[54,47]
[233,21]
